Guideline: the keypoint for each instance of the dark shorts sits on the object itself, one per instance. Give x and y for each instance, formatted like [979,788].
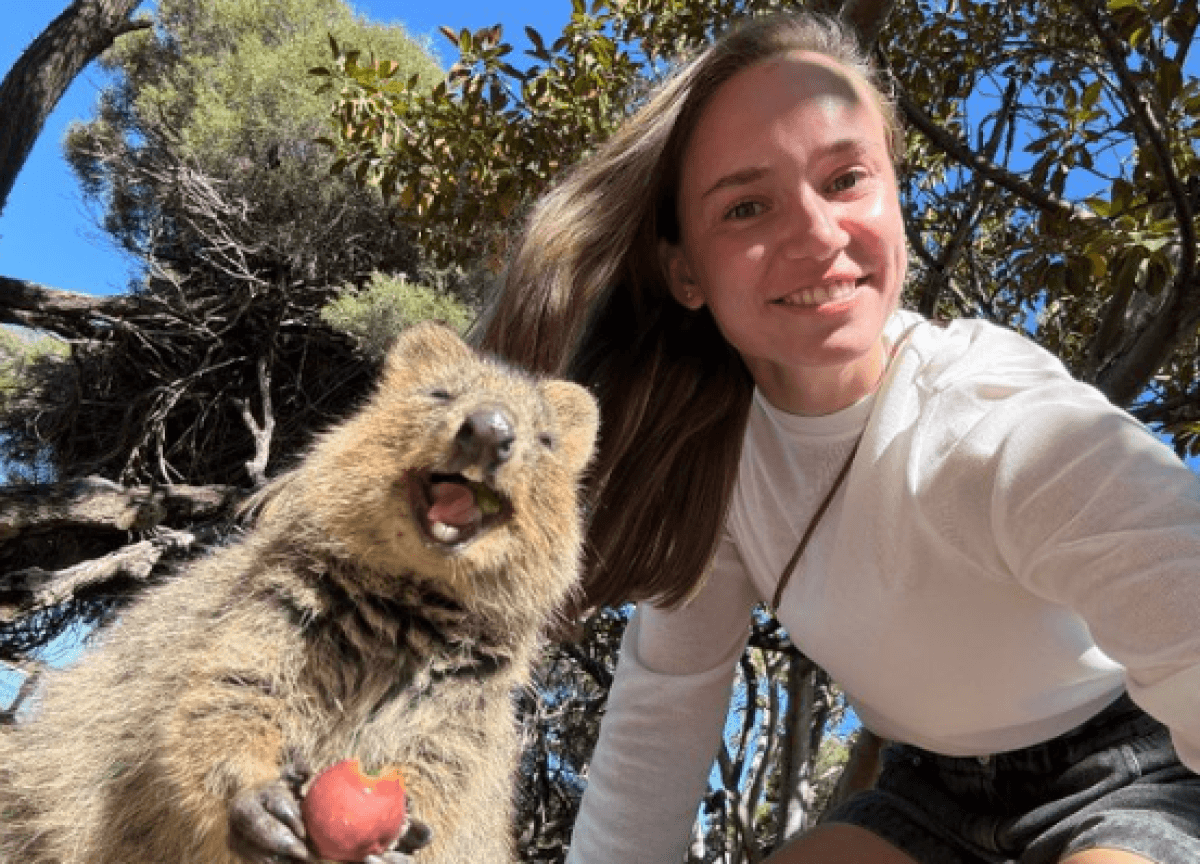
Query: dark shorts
[1114,782]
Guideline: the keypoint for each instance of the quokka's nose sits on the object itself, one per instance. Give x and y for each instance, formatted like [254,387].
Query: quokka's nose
[485,439]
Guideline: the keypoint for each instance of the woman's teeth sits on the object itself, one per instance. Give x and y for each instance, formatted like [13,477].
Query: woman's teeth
[820,295]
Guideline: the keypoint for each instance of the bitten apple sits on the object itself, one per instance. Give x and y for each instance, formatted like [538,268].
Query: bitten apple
[350,814]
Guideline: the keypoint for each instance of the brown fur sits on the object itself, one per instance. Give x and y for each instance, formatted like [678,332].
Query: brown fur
[332,629]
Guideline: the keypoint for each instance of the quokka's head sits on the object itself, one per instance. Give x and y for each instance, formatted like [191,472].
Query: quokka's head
[459,465]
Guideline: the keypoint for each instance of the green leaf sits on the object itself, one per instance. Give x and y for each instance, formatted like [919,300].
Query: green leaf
[1099,206]
[539,47]
[1168,81]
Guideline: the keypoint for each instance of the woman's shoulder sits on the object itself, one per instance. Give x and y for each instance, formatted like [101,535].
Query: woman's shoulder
[972,352]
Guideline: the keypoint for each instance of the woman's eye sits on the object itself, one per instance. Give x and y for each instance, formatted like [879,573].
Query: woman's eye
[744,210]
[847,181]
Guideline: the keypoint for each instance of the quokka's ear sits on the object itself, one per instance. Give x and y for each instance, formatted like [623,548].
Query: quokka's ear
[577,417]
[420,349]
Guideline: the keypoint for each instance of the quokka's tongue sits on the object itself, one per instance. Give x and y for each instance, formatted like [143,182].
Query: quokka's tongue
[453,504]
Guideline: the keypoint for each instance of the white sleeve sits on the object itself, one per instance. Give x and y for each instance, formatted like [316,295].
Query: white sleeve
[1096,514]
[663,724]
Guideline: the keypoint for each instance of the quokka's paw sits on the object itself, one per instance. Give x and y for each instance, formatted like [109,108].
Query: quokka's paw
[266,824]
[417,835]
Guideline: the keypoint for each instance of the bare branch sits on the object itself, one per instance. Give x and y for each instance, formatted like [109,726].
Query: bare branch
[803,720]
[41,589]
[67,313]
[260,432]
[98,503]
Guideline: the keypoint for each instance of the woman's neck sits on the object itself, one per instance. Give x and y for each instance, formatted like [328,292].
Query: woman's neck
[815,392]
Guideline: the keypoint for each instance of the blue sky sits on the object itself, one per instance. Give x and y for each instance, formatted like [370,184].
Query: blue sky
[48,235]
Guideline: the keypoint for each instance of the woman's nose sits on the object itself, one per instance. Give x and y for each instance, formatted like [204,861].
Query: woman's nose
[813,227]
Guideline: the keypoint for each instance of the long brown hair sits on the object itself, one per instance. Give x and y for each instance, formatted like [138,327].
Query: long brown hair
[585,297]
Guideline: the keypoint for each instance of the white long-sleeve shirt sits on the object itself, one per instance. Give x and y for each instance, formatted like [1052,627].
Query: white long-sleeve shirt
[1007,553]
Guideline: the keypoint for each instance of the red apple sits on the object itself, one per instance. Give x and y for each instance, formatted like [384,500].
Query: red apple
[349,814]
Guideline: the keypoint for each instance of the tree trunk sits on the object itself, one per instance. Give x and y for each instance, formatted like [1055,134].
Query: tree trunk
[46,69]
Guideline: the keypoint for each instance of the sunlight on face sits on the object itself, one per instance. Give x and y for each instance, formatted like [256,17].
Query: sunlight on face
[791,230]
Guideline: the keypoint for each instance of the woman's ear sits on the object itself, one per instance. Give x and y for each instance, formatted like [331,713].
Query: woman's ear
[678,274]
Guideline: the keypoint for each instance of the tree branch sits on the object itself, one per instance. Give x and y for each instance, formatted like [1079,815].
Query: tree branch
[1127,373]
[860,771]
[67,313]
[1153,133]
[927,304]
[94,502]
[1002,177]
[260,432]
[37,589]
[8,714]
[1184,409]
[37,81]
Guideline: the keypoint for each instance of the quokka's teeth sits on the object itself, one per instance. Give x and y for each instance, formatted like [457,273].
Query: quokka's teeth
[445,533]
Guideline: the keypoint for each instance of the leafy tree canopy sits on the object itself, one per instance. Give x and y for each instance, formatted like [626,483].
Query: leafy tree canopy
[1048,174]
[223,87]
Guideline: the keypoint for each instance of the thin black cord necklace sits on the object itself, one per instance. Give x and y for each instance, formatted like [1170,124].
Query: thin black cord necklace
[790,567]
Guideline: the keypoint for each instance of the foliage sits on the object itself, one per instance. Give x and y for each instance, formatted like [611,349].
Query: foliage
[386,305]
[201,153]
[462,159]
[21,352]
[1077,224]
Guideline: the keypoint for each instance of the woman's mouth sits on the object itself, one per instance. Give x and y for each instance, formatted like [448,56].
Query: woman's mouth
[820,295]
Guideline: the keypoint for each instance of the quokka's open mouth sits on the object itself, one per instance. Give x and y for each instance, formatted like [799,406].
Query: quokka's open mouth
[453,510]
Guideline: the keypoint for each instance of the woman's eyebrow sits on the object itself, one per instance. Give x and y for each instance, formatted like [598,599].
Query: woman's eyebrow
[746,176]
[737,178]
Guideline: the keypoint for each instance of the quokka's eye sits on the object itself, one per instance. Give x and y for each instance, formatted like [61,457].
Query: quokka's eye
[441,395]
[546,440]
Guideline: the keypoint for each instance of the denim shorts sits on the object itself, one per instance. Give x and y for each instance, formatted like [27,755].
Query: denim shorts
[1113,782]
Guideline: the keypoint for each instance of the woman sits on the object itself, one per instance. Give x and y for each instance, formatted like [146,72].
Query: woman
[986,555]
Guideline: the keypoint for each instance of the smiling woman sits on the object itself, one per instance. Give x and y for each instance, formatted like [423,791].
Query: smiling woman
[991,559]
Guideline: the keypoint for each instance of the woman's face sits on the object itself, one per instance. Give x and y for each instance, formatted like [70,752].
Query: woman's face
[791,230]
